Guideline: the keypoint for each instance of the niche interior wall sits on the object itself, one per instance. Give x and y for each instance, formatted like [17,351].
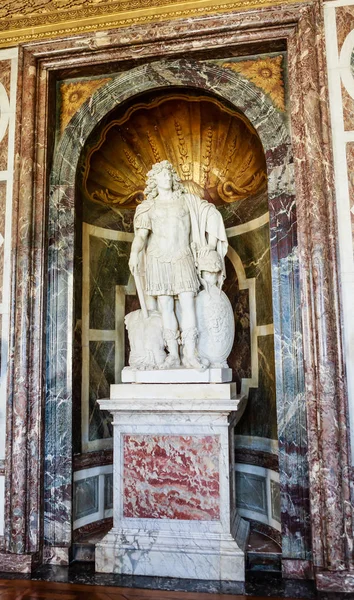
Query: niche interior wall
[271,125]
[309,378]
[219,155]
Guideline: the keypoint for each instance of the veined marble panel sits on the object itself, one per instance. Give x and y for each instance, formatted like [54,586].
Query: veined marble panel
[350,161]
[259,420]
[249,253]
[252,246]
[101,376]
[3,186]
[5,85]
[258,494]
[106,281]
[8,87]
[171,477]
[348,109]
[339,30]
[93,495]
[2,499]
[275,500]
[108,268]
[85,494]
[108,491]
[251,492]
[238,215]
[344,21]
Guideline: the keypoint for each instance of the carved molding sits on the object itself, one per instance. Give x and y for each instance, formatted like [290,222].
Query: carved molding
[23,22]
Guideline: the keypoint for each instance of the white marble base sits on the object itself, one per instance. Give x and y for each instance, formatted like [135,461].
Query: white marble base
[172,488]
[206,392]
[213,375]
[155,553]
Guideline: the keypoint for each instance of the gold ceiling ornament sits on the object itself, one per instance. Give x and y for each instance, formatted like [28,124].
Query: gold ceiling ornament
[265,73]
[73,96]
[33,20]
[214,149]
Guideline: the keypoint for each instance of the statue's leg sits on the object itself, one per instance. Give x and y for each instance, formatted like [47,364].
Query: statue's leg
[191,358]
[170,331]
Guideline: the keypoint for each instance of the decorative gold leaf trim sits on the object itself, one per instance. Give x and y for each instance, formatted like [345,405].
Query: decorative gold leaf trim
[84,19]
[22,13]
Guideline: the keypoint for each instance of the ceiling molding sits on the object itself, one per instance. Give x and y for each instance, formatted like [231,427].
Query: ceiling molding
[21,24]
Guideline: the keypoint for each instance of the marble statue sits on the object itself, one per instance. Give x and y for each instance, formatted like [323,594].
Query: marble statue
[179,246]
[147,346]
[180,339]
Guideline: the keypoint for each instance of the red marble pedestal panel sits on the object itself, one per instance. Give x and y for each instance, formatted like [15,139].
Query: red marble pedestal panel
[172,477]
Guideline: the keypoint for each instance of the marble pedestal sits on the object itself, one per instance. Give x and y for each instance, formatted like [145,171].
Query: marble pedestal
[172,514]
[180,375]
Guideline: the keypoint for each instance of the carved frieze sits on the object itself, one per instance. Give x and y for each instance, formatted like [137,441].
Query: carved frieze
[24,21]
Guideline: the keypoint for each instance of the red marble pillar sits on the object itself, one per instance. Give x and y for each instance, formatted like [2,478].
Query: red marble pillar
[331,514]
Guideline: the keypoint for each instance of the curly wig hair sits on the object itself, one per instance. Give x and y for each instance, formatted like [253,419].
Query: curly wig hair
[151,191]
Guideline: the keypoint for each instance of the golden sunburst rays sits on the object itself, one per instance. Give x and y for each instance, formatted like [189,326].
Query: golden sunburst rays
[73,96]
[265,73]
[214,149]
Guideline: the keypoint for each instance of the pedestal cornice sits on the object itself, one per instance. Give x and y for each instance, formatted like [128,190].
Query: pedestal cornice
[183,398]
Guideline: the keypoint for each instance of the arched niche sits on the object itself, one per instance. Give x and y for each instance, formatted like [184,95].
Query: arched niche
[219,156]
[272,130]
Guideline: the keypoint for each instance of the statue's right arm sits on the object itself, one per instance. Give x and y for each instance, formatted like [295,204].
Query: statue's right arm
[138,245]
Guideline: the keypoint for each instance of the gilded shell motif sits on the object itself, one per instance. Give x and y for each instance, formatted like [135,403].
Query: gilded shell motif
[215,150]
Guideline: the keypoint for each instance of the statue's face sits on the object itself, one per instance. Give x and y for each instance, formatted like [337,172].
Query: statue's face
[164,179]
[210,278]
